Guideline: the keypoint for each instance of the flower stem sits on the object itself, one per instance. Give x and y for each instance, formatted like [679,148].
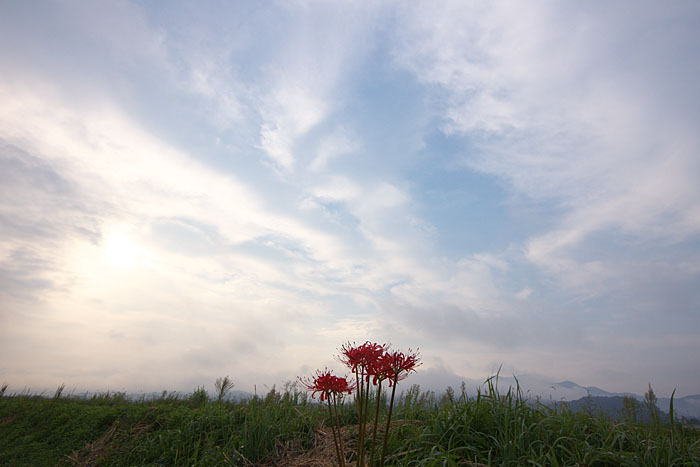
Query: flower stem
[388,419]
[376,421]
[364,416]
[361,424]
[335,439]
[341,457]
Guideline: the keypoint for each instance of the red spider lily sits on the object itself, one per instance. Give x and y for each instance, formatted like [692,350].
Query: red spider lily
[360,359]
[327,384]
[369,359]
[350,356]
[381,368]
[331,388]
[397,365]
[364,361]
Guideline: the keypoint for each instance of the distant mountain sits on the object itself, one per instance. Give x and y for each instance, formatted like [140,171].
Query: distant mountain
[576,395]
[613,407]
[584,391]
[616,408]
[688,406]
[535,387]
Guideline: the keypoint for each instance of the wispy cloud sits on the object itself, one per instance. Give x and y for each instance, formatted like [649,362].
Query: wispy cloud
[267,181]
[289,114]
[340,142]
[543,92]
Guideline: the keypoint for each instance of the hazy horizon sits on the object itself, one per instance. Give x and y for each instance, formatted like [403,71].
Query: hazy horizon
[434,380]
[194,190]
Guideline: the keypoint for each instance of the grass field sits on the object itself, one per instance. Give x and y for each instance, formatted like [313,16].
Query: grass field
[289,428]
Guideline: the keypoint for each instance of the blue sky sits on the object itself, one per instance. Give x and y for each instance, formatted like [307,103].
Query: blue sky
[195,189]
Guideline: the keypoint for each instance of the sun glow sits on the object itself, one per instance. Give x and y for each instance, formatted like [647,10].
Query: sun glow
[120,251]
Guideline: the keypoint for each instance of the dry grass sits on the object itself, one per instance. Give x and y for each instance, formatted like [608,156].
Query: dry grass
[322,454]
[106,444]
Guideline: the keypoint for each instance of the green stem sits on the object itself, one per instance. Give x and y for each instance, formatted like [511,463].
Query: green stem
[341,459]
[361,424]
[335,439]
[388,419]
[365,413]
[376,421]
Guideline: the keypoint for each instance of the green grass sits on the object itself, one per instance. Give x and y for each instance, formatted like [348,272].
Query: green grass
[505,430]
[488,429]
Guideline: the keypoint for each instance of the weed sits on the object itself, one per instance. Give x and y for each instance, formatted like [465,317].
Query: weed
[223,386]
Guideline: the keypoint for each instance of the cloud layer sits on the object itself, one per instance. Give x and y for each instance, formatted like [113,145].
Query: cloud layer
[197,192]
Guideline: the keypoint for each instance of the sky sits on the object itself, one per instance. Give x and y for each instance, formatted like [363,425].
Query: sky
[190,190]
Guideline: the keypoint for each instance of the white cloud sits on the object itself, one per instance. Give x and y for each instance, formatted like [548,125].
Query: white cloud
[289,114]
[339,143]
[302,89]
[126,227]
[127,181]
[122,175]
[468,284]
[524,294]
[337,188]
[518,80]
[219,87]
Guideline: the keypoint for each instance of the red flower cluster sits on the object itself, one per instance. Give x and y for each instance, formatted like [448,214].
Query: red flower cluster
[368,359]
[327,384]
[397,365]
[363,359]
[372,359]
[375,360]
[332,388]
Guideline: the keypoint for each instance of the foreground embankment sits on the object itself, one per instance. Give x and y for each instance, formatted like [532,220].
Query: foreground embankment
[288,428]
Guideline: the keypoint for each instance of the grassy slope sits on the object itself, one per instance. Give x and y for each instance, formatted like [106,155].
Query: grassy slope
[498,430]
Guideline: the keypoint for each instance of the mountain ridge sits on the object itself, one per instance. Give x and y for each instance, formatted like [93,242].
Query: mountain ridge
[687,406]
